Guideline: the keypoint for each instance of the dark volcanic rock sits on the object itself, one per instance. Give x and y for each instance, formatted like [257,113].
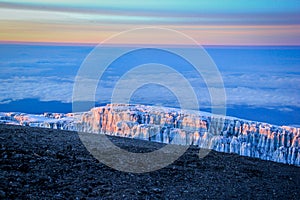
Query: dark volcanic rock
[40,163]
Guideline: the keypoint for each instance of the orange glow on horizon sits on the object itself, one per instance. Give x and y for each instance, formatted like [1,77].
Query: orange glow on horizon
[33,32]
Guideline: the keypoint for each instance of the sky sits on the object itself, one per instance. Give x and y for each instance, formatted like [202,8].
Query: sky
[213,22]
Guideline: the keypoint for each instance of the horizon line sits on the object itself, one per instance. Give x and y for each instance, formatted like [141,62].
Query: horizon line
[130,45]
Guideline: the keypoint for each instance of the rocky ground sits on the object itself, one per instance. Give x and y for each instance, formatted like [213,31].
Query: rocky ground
[40,163]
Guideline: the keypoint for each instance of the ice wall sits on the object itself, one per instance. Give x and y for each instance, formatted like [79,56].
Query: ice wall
[168,125]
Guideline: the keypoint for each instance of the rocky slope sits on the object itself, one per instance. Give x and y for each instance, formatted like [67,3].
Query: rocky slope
[39,163]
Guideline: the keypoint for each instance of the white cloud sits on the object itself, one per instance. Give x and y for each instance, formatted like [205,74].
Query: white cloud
[257,90]
[44,88]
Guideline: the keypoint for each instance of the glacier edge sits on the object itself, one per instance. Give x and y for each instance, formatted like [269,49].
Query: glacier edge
[175,126]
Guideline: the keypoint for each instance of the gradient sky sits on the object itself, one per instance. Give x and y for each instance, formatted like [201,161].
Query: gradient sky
[210,22]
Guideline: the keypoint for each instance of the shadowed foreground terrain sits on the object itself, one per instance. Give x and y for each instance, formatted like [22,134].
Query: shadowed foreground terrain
[44,163]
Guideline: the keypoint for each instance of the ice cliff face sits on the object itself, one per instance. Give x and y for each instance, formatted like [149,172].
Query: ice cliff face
[168,125]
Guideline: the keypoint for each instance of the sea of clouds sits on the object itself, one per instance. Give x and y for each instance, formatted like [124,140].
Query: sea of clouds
[47,73]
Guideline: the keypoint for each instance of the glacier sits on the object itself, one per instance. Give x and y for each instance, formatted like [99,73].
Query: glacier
[176,126]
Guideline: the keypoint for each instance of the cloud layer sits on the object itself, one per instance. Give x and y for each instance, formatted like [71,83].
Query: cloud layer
[49,73]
